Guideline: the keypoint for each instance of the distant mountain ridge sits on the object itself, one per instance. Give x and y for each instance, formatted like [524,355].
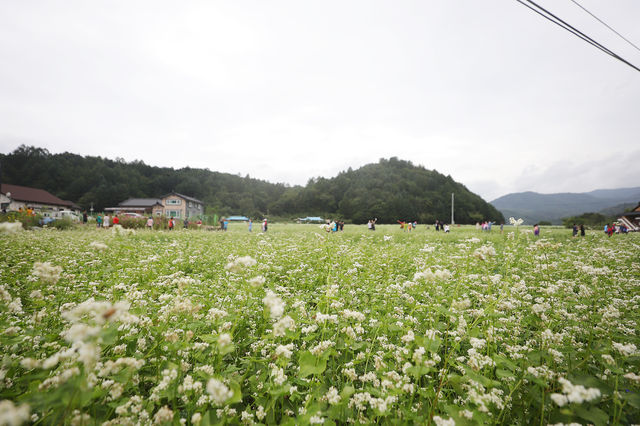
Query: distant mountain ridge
[535,207]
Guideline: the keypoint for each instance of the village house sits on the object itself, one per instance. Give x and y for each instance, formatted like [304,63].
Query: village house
[182,206]
[172,205]
[16,197]
[631,219]
[143,206]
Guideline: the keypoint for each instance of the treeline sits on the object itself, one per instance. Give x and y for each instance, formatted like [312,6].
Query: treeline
[389,190]
[592,220]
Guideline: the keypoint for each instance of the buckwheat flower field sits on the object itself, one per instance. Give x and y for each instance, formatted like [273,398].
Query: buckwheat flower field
[301,326]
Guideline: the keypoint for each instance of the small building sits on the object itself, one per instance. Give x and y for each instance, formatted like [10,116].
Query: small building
[631,219]
[15,197]
[143,206]
[181,206]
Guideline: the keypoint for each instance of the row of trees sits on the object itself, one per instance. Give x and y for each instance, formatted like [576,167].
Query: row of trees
[388,190]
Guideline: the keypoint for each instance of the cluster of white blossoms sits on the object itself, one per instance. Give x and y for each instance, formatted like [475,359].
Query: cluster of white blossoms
[12,415]
[429,275]
[100,312]
[98,245]
[219,392]
[285,350]
[163,415]
[257,281]
[120,230]
[626,350]
[516,222]
[46,272]
[484,252]
[439,421]
[573,393]
[240,263]
[274,303]
[282,325]
[10,227]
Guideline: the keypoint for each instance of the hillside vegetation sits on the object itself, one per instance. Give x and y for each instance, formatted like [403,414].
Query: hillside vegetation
[390,190]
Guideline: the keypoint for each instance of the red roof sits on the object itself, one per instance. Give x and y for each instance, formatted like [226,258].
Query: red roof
[32,195]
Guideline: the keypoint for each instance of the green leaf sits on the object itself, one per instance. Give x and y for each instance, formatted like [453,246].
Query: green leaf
[226,349]
[237,393]
[504,373]
[346,392]
[593,414]
[309,364]
[208,338]
[632,398]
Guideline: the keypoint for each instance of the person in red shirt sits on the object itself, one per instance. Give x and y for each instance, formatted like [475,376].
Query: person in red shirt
[116,220]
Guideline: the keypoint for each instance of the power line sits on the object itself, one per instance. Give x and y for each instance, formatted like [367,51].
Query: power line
[605,24]
[566,26]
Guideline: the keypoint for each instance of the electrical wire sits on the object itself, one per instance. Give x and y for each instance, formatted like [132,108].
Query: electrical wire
[605,24]
[566,26]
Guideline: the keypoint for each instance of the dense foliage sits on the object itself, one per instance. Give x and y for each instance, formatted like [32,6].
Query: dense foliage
[301,326]
[389,190]
[593,220]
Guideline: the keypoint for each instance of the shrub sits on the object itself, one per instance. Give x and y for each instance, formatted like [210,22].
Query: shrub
[133,222]
[62,224]
[26,220]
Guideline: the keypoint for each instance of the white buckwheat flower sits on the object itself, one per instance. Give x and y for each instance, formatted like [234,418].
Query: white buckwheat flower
[274,304]
[219,391]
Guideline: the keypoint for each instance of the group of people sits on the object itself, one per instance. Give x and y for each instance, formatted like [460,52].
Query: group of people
[371,225]
[106,220]
[439,225]
[408,226]
[615,228]
[334,226]
[575,230]
[486,226]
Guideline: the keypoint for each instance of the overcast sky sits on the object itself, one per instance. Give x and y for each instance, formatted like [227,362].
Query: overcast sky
[486,91]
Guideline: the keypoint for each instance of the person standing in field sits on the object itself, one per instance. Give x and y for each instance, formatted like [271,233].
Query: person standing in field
[116,220]
[264,225]
[99,221]
[536,230]
[250,225]
[150,223]
[575,230]
[582,230]
[171,224]
[185,223]
[105,221]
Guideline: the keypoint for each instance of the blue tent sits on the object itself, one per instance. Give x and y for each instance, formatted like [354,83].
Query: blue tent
[311,219]
[238,218]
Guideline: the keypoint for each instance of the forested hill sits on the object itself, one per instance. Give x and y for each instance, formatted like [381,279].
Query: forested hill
[389,190]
